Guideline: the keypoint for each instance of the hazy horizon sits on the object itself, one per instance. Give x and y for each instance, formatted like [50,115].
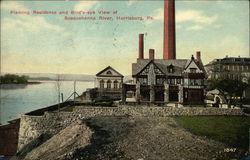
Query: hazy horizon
[46,43]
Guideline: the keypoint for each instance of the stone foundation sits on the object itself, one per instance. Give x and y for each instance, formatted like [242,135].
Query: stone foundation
[51,123]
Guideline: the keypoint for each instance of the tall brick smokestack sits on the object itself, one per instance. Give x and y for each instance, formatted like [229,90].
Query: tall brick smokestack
[141,46]
[169,30]
[198,57]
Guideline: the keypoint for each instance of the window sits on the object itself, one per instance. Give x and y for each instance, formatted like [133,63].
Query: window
[197,82]
[246,68]
[159,81]
[171,68]
[109,84]
[193,70]
[109,73]
[102,84]
[172,81]
[191,82]
[143,80]
[178,81]
[168,81]
[115,84]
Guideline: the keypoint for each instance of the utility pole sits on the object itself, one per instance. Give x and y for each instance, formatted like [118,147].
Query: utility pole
[74,91]
[0,112]
[58,91]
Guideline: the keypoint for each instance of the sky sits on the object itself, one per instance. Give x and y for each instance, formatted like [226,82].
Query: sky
[45,43]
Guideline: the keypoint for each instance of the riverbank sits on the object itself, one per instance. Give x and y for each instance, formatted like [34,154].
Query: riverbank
[127,137]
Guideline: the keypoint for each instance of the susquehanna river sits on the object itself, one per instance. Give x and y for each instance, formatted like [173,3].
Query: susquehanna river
[18,99]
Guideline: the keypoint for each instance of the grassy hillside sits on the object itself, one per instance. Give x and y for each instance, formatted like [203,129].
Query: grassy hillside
[232,130]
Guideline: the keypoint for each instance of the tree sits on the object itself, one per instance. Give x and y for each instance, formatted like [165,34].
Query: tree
[228,88]
[12,78]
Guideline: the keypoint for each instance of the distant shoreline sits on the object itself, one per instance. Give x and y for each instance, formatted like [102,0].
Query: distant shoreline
[42,81]
[23,83]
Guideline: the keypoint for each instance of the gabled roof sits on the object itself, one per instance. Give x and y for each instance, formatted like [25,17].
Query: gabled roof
[179,65]
[101,73]
[202,67]
[151,61]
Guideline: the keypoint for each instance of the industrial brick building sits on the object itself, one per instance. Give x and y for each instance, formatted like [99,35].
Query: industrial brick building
[169,79]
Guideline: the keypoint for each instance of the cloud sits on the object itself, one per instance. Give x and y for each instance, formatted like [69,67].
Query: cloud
[11,5]
[195,16]
[85,5]
[30,23]
[195,27]
[27,22]
[158,14]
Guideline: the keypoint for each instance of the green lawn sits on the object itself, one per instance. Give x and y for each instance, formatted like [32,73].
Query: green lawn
[233,130]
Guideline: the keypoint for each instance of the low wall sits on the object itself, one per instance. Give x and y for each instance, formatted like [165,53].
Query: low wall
[51,123]
[154,111]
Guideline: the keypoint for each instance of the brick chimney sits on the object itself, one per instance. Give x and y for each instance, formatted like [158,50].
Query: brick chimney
[141,46]
[198,57]
[169,51]
[151,54]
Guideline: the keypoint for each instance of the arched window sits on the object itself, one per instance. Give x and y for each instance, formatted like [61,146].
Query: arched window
[109,84]
[109,73]
[115,84]
[102,84]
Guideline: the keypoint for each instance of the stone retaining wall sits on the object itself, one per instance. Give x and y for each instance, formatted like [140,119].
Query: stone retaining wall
[51,123]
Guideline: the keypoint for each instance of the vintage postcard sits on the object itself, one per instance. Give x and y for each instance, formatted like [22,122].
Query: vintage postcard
[127,79]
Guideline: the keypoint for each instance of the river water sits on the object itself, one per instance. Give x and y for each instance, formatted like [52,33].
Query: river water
[19,99]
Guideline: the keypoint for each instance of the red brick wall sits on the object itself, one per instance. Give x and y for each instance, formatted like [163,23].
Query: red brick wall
[9,139]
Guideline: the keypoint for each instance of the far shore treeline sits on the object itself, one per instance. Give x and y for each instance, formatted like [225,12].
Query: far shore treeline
[12,78]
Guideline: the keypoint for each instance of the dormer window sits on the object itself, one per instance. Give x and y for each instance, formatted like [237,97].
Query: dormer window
[109,73]
[171,68]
